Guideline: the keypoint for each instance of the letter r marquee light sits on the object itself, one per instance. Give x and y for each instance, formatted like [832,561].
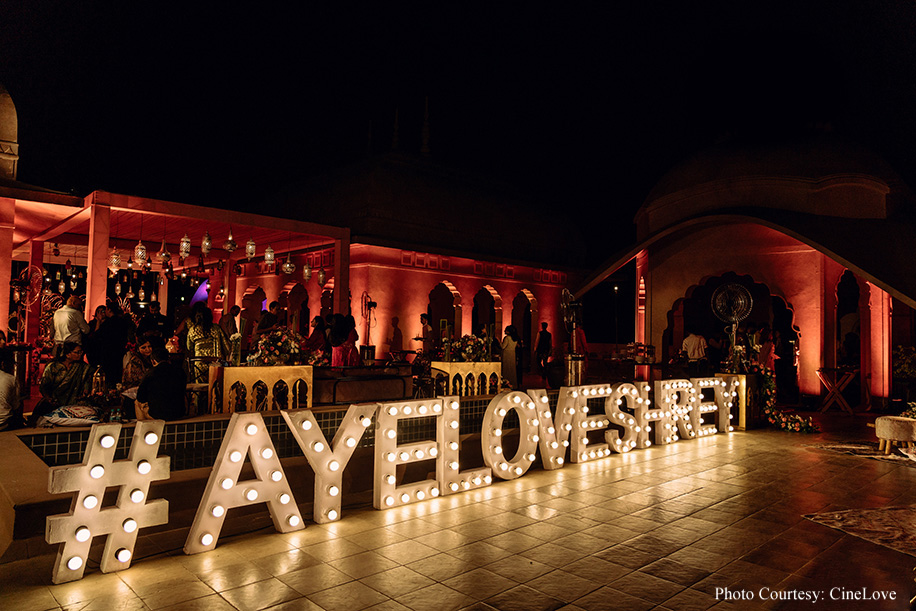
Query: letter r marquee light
[246,435]
[88,480]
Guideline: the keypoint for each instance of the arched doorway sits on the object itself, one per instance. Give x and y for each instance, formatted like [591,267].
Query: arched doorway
[487,312]
[444,307]
[771,312]
[524,316]
[252,304]
[297,307]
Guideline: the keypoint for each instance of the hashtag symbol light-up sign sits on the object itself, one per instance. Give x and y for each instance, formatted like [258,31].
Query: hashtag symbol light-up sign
[88,519]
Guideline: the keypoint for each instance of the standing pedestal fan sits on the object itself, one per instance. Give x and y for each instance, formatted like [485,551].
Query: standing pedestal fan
[732,303]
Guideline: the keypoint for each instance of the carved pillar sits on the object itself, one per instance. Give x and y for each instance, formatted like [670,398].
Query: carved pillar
[7,222]
[879,311]
[342,275]
[97,259]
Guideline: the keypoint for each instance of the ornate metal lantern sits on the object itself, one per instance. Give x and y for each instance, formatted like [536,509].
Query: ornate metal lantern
[184,247]
[288,266]
[206,244]
[268,255]
[250,248]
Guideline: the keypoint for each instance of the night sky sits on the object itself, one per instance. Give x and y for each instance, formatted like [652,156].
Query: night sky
[585,106]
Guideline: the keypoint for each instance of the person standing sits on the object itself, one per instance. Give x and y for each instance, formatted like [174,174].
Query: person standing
[113,336]
[426,334]
[694,345]
[227,321]
[270,319]
[542,349]
[154,323]
[69,325]
[509,363]
[10,399]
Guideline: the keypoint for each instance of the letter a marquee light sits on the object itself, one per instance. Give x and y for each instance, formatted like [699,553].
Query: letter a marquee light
[246,435]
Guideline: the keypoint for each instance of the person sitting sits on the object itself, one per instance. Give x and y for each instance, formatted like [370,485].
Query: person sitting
[318,339]
[65,381]
[138,364]
[10,400]
[161,395]
[270,319]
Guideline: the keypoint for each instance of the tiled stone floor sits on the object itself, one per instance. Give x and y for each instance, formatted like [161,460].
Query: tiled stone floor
[659,528]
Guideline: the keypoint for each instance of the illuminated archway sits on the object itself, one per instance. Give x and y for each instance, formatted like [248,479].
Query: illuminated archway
[445,310]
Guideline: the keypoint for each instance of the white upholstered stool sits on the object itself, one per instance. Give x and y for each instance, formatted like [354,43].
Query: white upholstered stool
[892,430]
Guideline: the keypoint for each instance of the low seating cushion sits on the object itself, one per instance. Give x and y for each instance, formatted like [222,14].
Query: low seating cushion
[895,428]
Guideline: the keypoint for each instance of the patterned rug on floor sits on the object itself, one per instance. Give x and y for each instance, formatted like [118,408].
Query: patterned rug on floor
[893,527]
[867,450]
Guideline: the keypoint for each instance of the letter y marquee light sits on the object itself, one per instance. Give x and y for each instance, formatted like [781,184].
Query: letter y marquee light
[246,435]
[329,459]
[87,519]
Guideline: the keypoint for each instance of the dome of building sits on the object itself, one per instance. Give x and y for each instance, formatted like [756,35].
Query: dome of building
[9,136]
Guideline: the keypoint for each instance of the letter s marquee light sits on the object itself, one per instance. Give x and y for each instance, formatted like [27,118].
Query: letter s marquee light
[87,519]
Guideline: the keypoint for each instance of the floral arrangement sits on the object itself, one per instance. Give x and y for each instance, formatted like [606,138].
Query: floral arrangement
[910,411]
[905,362]
[276,347]
[784,420]
[469,349]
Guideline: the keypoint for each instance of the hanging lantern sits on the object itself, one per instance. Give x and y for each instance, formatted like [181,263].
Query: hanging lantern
[184,274]
[130,264]
[16,296]
[229,245]
[184,247]
[163,256]
[73,283]
[288,267]
[61,287]
[117,288]
[321,277]
[206,244]
[153,297]
[306,272]
[68,266]
[141,294]
[140,253]
[130,294]
[114,260]
[268,255]
[250,248]
[149,263]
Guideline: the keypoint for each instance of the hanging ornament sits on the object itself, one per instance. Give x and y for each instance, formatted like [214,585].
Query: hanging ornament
[250,248]
[184,247]
[73,284]
[200,265]
[141,294]
[61,287]
[206,244]
[68,266]
[184,274]
[288,266]
[163,256]
[237,269]
[117,288]
[220,265]
[16,296]
[57,275]
[140,253]
[149,263]
[130,294]
[321,277]
[130,264]
[229,245]
[114,260]
[306,272]
[268,255]
[80,275]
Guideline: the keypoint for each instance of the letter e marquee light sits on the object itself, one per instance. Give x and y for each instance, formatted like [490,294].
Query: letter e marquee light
[246,435]
[121,522]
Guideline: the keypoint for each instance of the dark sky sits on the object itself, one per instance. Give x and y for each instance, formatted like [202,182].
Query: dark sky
[584,104]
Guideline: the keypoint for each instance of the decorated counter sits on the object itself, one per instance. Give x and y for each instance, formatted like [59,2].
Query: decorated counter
[469,372]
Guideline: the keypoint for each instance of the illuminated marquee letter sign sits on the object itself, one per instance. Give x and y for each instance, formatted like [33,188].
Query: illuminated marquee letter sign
[246,436]
[131,512]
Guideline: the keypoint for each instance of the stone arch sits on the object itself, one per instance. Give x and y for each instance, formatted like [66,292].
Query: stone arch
[252,304]
[488,299]
[525,319]
[444,308]
[295,298]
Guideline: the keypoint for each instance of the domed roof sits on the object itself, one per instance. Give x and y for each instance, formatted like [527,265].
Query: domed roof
[811,158]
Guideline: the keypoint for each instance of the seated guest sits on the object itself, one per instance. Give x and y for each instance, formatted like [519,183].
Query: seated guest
[138,364]
[161,395]
[65,381]
[318,340]
[10,401]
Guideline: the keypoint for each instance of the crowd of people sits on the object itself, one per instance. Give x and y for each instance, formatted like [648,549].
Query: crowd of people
[753,344]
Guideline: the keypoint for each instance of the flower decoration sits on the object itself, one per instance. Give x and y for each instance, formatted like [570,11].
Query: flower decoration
[784,420]
[276,347]
[469,349]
